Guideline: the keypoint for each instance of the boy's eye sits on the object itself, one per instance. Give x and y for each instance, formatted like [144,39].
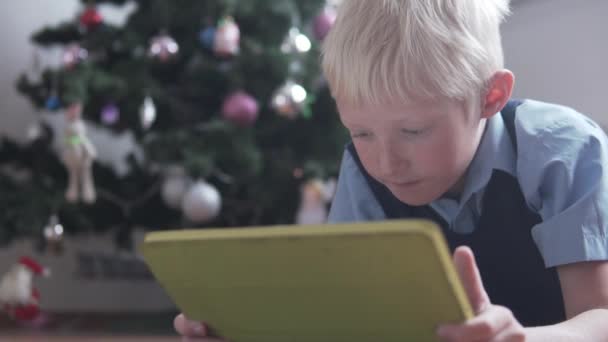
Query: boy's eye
[413,131]
[360,135]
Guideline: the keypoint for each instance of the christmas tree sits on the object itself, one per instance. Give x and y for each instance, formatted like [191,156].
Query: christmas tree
[223,98]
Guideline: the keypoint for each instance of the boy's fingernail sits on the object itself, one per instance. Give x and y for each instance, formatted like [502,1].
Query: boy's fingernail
[197,328]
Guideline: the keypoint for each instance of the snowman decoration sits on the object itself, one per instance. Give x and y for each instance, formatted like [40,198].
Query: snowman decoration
[18,297]
[78,156]
[315,195]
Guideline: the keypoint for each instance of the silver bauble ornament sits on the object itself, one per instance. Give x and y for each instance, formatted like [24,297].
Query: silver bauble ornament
[202,202]
[289,99]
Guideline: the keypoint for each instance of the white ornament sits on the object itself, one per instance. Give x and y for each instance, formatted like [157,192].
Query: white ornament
[34,131]
[295,42]
[289,99]
[202,203]
[174,188]
[227,38]
[78,156]
[73,55]
[147,113]
[53,231]
[163,47]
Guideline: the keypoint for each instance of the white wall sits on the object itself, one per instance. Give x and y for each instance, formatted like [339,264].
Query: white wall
[18,19]
[559,53]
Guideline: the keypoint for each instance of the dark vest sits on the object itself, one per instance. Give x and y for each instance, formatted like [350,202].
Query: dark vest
[510,263]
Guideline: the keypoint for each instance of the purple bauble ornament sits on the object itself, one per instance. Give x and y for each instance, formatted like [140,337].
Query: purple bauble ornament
[323,22]
[240,108]
[110,114]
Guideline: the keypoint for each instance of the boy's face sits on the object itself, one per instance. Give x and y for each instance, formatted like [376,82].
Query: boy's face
[420,151]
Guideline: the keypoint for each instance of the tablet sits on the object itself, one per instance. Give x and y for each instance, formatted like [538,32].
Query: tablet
[379,281]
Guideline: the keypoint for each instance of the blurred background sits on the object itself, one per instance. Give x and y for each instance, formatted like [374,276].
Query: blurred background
[122,117]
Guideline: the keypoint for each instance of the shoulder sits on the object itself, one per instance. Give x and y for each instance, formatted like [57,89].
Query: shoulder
[561,171]
[559,151]
[552,122]
[354,200]
[548,132]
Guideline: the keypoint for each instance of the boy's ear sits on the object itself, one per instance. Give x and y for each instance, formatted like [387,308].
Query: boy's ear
[498,93]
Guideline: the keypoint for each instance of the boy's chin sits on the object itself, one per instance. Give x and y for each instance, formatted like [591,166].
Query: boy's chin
[416,200]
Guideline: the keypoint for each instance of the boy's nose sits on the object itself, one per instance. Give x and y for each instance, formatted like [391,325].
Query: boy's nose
[391,164]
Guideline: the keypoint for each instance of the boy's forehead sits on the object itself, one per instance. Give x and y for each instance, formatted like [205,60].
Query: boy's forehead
[420,112]
[389,105]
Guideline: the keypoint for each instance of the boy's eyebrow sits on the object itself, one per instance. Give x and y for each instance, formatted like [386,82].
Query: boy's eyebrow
[400,121]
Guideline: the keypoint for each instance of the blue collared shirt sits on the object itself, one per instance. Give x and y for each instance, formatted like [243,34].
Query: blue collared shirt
[562,169]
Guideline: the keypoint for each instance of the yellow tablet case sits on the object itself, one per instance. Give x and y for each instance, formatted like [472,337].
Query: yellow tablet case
[380,281]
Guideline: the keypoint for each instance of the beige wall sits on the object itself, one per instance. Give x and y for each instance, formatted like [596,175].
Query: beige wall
[558,51]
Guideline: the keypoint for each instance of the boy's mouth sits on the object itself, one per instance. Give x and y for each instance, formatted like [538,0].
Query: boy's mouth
[404,183]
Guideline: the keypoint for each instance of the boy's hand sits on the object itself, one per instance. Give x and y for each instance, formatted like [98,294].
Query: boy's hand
[192,329]
[492,323]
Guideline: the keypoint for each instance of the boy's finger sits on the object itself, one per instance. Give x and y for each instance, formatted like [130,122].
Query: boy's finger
[185,327]
[471,279]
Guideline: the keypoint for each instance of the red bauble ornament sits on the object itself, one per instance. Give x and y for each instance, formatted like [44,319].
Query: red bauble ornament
[90,18]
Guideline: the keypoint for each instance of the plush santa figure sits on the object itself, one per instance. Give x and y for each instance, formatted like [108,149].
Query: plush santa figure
[18,297]
[78,156]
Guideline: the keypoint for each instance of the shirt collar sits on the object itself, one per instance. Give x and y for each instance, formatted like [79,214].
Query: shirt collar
[495,152]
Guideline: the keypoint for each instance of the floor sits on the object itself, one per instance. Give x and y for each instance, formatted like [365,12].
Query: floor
[85,338]
[89,327]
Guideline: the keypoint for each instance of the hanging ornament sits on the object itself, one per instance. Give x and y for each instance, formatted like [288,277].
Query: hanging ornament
[90,18]
[314,197]
[33,132]
[207,37]
[295,42]
[175,186]
[202,202]
[73,55]
[227,38]
[110,114]
[163,47]
[78,156]
[147,113]
[240,108]
[323,22]
[52,102]
[289,99]
[53,235]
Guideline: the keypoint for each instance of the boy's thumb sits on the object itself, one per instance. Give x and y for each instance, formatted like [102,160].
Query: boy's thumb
[464,260]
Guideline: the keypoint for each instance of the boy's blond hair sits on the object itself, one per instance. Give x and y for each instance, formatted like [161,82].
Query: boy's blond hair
[413,49]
